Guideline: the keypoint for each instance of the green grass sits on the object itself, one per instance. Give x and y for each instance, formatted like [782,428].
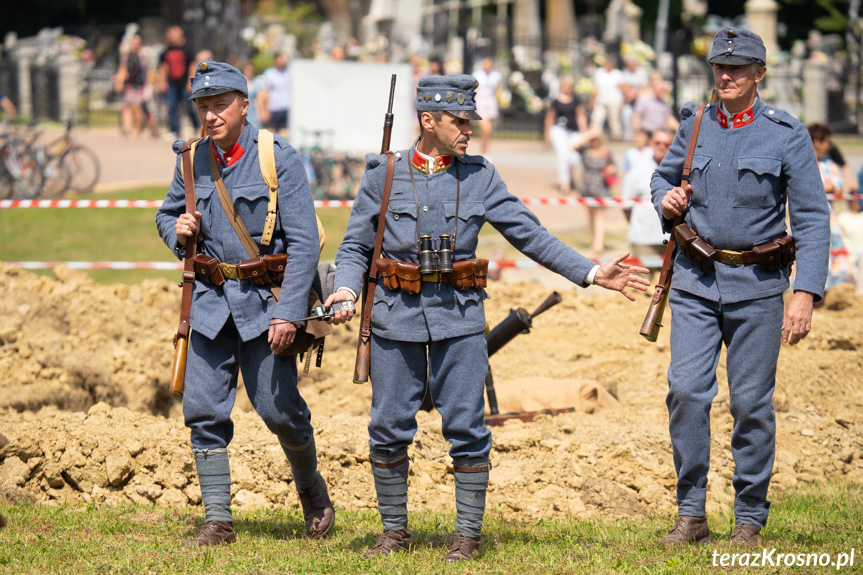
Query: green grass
[825,518]
[129,234]
[111,234]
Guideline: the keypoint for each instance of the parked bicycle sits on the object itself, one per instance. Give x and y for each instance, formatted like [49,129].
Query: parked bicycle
[20,176]
[32,168]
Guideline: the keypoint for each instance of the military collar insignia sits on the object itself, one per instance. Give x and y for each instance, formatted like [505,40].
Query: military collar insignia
[737,121]
[231,157]
[430,165]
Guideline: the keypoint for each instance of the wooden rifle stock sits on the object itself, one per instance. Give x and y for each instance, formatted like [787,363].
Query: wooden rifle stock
[178,371]
[653,318]
[181,340]
[363,361]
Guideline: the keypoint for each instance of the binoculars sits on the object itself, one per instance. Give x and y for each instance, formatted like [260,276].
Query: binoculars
[436,260]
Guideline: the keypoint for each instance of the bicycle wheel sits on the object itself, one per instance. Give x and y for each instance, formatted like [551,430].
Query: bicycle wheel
[83,166]
[26,175]
[55,177]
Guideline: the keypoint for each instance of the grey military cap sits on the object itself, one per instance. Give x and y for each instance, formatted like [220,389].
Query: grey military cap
[454,94]
[213,78]
[737,47]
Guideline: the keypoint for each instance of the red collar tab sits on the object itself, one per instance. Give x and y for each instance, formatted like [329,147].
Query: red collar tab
[232,156]
[431,166]
[737,121]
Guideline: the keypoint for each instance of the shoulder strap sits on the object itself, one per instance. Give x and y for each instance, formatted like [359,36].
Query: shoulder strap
[191,243]
[368,298]
[227,205]
[693,140]
[267,159]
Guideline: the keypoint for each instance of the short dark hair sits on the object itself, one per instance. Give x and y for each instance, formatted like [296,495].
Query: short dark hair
[436,114]
[819,131]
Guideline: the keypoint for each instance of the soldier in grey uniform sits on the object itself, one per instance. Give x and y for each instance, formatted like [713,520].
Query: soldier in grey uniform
[750,159]
[438,333]
[237,326]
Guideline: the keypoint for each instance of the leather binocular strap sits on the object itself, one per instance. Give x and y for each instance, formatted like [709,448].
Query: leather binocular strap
[457,197]
[388,465]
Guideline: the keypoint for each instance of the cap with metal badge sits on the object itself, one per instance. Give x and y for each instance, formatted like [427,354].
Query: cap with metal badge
[454,94]
[737,47]
[212,78]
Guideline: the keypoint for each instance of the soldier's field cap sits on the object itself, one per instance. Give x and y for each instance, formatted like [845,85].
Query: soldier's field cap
[737,47]
[454,94]
[213,78]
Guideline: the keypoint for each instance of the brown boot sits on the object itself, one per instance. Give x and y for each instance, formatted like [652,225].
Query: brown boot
[747,535]
[317,508]
[213,533]
[687,530]
[390,542]
[462,549]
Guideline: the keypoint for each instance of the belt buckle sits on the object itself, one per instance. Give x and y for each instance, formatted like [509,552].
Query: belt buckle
[733,258]
[432,277]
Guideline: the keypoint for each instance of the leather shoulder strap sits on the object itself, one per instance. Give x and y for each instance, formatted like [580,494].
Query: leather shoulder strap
[191,243]
[267,160]
[693,140]
[368,292]
[245,238]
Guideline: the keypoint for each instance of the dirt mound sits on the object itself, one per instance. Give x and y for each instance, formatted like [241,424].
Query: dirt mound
[83,401]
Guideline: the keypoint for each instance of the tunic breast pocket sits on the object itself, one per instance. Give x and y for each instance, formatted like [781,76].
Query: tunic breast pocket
[698,179]
[250,202]
[471,217]
[758,182]
[401,227]
[204,198]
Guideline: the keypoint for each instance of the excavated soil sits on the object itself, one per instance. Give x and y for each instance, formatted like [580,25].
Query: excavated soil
[84,372]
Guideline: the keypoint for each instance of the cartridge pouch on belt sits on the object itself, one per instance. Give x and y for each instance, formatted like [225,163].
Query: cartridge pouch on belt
[406,276]
[771,256]
[262,271]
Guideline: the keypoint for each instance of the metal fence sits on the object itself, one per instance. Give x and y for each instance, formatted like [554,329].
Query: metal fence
[98,104]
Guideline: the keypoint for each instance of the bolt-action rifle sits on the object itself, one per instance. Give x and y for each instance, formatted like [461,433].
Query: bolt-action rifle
[361,368]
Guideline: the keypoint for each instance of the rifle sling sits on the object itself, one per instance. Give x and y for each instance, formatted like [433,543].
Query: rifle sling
[667,263]
[369,289]
[191,244]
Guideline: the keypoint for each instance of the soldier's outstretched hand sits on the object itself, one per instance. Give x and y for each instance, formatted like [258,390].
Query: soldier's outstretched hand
[616,276]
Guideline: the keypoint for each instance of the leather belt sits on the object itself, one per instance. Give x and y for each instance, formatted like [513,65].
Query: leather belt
[230,271]
[733,258]
[435,278]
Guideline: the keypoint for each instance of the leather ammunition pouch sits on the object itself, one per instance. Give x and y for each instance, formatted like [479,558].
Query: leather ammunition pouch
[276,267]
[469,274]
[263,271]
[466,274]
[771,256]
[694,248]
[777,254]
[207,270]
[255,270]
[395,274]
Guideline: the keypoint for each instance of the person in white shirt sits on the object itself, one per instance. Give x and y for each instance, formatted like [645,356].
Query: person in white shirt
[488,81]
[606,102]
[645,231]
